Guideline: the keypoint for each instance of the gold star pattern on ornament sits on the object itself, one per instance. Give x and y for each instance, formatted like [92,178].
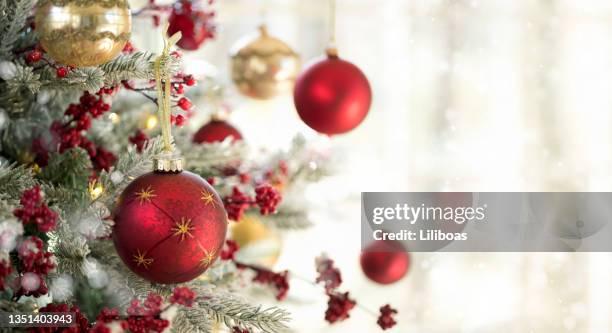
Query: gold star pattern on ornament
[141,260]
[183,228]
[208,198]
[145,194]
[208,259]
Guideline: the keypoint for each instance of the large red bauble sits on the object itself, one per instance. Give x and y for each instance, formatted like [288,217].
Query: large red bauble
[385,262]
[194,24]
[216,131]
[169,227]
[332,96]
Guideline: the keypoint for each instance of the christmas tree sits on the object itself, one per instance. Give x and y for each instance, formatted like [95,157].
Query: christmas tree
[80,205]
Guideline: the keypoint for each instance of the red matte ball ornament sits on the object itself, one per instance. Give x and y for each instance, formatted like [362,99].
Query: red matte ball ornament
[169,226]
[194,24]
[385,262]
[216,130]
[332,95]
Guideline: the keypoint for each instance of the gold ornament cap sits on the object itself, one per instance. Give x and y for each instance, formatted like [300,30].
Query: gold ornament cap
[167,164]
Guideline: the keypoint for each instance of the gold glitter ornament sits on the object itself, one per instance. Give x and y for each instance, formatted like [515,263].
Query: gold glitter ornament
[83,33]
[264,67]
[259,244]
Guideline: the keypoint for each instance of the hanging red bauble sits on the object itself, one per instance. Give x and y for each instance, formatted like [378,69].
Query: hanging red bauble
[385,262]
[169,227]
[216,130]
[332,96]
[194,24]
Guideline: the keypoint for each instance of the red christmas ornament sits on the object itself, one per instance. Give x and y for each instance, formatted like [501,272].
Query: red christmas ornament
[385,262]
[169,227]
[216,130]
[194,24]
[332,96]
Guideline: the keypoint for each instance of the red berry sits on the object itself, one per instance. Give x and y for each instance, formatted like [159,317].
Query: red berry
[179,89]
[189,80]
[33,56]
[179,120]
[128,48]
[61,72]
[184,103]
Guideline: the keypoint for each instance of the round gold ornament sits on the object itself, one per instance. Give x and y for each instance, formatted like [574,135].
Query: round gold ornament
[264,67]
[83,33]
[259,244]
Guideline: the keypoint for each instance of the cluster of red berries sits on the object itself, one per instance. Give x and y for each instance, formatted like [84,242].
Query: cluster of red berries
[266,197]
[139,139]
[279,281]
[70,133]
[143,318]
[35,211]
[182,296]
[195,24]
[228,252]
[338,307]
[340,304]
[81,321]
[386,320]
[328,273]
[34,264]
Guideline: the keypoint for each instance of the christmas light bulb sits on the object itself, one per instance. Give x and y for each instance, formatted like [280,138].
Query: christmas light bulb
[151,122]
[95,190]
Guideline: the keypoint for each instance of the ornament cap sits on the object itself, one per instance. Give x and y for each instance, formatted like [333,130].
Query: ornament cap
[332,52]
[167,164]
[263,29]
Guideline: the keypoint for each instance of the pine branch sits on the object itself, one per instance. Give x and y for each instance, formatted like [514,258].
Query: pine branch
[129,166]
[288,219]
[191,320]
[6,209]
[208,159]
[19,91]
[80,79]
[69,248]
[128,67]
[14,180]
[232,311]
[14,16]
[70,169]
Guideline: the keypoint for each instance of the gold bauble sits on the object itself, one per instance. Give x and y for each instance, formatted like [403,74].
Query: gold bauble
[264,67]
[83,32]
[259,244]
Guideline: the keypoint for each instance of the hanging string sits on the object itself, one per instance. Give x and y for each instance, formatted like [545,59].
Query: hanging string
[263,12]
[332,23]
[163,90]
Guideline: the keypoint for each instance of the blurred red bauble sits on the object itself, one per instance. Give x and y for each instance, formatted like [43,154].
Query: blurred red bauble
[332,96]
[194,24]
[385,262]
[169,227]
[216,130]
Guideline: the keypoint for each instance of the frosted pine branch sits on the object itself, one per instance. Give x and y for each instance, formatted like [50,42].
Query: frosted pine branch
[89,78]
[207,159]
[70,249]
[129,166]
[191,320]
[289,219]
[232,311]
[14,180]
[14,15]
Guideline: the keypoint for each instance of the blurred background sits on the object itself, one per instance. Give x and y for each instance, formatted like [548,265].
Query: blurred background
[495,95]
